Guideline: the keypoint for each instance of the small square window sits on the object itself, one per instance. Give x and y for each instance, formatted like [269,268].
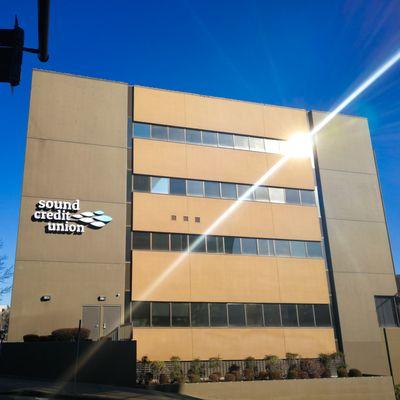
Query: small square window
[228,191]
[159,185]
[292,196]
[196,219]
[185,218]
[314,249]
[195,188]
[159,132]
[210,138]
[176,134]
[141,183]
[141,130]
[282,248]
[241,142]
[225,140]
[242,189]
[307,197]
[212,189]
[256,144]
[173,217]
[276,195]
[193,136]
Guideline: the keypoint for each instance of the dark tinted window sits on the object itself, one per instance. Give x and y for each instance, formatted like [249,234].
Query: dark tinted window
[249,246]
[193,136]
[298,248]
[179,242]
[160,241]
[199,314]
[242,189]
[141,313]
[306,314]
[180,314]
[307,197]
[160,314]
[272,316]
[385,309]
[195,188]
[176,134]
[197,243]
[159,132]
[314,249]
[232,245]
[228,191]
[289,315]
[282,248]
[218,314]
[225,140]
[141,130]
[210,138]
[322,315]
[236,315]
[254,315]
[177,186]
[141,183]
[141,240]
[212,189]
[292,196]
[215,244]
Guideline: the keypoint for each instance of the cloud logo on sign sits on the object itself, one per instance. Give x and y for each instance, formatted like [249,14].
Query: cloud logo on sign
[92,219]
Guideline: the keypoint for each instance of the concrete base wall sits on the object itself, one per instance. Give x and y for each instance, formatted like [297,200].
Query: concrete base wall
[366,388]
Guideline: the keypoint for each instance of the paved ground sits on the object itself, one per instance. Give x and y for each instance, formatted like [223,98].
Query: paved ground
[23,389]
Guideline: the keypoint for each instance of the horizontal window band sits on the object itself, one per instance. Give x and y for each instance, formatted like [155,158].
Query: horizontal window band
[222,190]
[208,138]
[181,242]
[231,315]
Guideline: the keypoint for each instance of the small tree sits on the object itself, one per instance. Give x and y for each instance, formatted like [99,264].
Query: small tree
[177,375]
[6,273]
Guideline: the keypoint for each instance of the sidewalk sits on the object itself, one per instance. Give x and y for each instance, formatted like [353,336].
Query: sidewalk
[34,388]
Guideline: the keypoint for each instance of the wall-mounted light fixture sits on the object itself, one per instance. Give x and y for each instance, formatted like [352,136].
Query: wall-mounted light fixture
[101,298]
[45,297]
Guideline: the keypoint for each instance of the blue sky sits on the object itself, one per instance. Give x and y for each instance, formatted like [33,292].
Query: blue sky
[306,54]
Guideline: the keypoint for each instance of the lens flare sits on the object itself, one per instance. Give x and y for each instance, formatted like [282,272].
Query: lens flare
[298,145]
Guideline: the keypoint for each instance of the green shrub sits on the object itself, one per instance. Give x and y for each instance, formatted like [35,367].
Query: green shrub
[215,363]
[248,374]
[250,362]
[145,360]
[271,362]
[397,392]
[354,373]
[342,372]
[148,377]
[31,338]
[214,377]
[275,375]
[194,378]
[157,368]
[293,373]
[176,374]
[229,377]
[326,373]
[197,367]
[302,375]
[312,367]
[46,338]
[70,334]
[262,375]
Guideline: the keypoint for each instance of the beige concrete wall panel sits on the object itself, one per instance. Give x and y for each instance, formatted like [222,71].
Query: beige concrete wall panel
[365,388]
[105,245]
[159,106]
[283,122]
[76,109]
[60,170]
[345,144]
[302,281]
[351,196]
[70,285]
[152,212]
[360,246]
[227,278]
[393,341]
[190,343]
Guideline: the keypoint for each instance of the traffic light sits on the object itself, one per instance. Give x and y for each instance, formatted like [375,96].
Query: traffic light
[11,48]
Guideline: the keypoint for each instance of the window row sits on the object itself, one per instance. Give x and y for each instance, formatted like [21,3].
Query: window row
[387,310]
[208,138]
[225,244]
[159,314]
[217,190]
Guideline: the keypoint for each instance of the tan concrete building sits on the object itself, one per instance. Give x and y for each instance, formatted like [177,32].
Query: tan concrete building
[137,210]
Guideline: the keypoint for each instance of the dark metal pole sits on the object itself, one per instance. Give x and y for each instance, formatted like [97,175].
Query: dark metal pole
[43,29]
[78,339]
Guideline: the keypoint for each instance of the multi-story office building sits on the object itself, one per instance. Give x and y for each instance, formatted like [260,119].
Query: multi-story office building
[130,215]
